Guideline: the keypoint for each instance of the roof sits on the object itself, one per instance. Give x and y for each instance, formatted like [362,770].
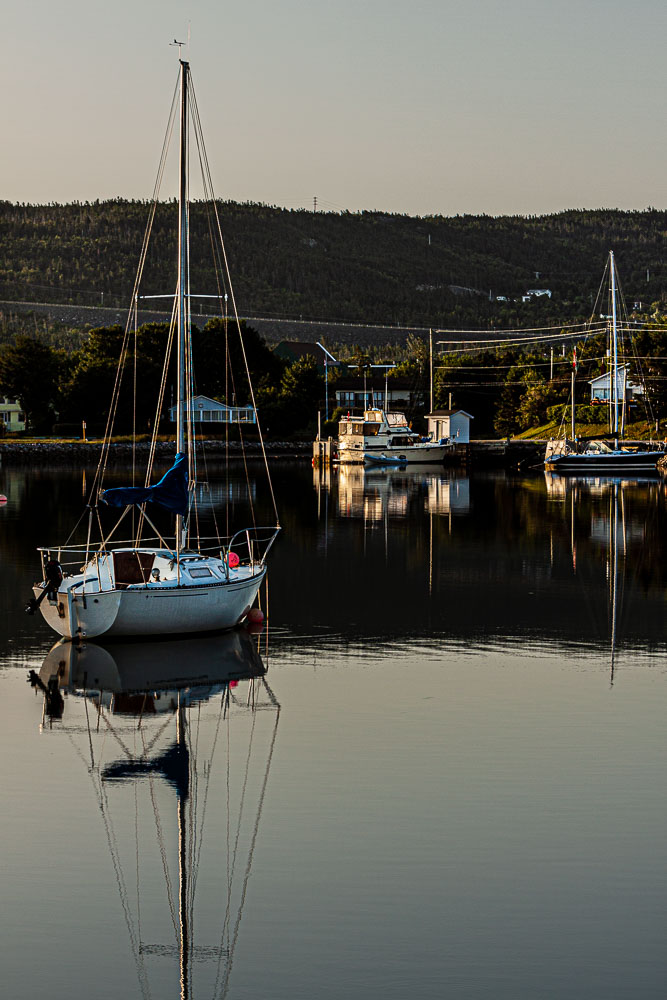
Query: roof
[206,403]
[449,413]
[607,375]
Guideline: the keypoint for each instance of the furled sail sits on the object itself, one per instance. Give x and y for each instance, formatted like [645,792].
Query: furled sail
[171,492]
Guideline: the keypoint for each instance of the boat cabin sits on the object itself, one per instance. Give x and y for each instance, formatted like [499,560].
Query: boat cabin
[376,427]
[377,422]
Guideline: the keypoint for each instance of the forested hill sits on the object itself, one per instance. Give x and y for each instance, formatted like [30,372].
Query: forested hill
[366,267]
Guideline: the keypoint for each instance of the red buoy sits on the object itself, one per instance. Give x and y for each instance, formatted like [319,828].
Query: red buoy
[255,616]
[3,498]
[233,560]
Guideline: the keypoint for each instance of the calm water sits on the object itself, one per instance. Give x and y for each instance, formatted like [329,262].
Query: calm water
[450,782]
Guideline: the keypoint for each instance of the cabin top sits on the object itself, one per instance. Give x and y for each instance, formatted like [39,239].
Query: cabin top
[380,416]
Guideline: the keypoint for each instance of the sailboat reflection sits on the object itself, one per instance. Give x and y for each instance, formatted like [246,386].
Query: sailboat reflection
[604,506]
[195,719]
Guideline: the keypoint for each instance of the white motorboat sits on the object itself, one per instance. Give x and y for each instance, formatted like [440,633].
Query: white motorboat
[385,438]
[156,586]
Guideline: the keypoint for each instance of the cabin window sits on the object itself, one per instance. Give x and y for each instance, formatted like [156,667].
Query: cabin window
[200,571]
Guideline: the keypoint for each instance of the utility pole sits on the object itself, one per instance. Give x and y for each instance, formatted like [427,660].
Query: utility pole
[430,364]
[315,204]
[551,369]
[327,356]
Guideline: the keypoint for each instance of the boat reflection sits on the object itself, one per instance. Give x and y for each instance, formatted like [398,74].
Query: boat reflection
[176,737]
[376,494]
[610,514]
[157,676]
[559,487]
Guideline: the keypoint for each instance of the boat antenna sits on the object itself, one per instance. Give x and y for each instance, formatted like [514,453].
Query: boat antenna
[180,44]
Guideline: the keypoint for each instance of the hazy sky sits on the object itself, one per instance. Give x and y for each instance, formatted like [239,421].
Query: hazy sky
[421,107]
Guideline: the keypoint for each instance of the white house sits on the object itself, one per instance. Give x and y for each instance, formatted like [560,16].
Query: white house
[602,387]
[12,414]
[537,293]
[451,424]
[209,411]
[354,393]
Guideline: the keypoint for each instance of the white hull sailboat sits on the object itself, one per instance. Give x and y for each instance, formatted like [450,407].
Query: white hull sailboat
[153,586]
[96,603]
[601,457]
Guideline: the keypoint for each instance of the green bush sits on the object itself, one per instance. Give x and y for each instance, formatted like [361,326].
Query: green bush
[584,414]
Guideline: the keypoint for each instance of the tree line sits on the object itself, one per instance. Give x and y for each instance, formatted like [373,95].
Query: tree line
[362,267]
[507,389]
[60,389]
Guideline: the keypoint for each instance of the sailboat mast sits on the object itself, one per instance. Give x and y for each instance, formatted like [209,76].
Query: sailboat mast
[612,271]
[184,943]
[183,301]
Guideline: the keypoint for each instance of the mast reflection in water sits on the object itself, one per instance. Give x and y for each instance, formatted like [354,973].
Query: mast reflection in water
[600,505]
[176,736]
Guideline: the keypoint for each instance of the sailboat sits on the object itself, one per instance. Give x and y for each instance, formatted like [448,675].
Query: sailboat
[600,457]
[160,584]
[178,751]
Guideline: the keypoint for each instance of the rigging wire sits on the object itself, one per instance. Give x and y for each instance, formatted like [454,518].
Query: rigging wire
[104,456]
[196,119]
[251,853]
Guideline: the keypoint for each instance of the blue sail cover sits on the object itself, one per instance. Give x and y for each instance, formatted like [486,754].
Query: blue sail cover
[171,492]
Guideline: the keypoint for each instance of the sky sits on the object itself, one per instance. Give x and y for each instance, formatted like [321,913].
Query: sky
[423,107]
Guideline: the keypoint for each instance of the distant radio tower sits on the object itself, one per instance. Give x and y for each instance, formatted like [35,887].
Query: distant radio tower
[315,204]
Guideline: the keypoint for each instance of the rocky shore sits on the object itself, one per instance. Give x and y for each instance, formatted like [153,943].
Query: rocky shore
[13,452]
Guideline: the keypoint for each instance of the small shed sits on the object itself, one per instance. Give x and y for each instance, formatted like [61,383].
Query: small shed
[451,425]
[210,411]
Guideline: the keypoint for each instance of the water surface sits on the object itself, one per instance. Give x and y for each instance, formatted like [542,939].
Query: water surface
[450,781]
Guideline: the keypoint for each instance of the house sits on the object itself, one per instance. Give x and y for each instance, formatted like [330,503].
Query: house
[210,411]
[451,424]
[602,387]
[12,415]
[354,393]
[537,293]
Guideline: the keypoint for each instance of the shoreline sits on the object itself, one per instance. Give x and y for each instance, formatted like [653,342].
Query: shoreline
[15,452]
[490,453]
